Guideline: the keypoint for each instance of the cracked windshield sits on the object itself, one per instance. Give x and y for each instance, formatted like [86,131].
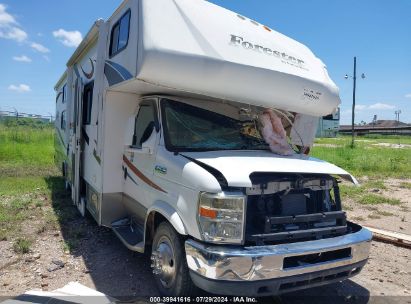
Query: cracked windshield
[189,128]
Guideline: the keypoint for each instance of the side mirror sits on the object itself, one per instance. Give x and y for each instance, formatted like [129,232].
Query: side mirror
[148,140]
[147,132]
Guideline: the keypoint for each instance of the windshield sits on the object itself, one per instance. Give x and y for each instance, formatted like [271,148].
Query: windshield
[189,128]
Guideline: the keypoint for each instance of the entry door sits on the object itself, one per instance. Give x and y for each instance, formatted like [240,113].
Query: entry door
[77,148]
[139,163]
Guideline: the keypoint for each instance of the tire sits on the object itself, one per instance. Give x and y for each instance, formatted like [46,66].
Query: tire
[168,254]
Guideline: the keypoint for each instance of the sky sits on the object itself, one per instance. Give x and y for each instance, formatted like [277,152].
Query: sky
[38,37]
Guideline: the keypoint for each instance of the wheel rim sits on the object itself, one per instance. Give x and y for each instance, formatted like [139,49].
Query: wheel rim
[163,259]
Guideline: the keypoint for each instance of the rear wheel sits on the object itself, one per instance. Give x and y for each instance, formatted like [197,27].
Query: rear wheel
[169,263]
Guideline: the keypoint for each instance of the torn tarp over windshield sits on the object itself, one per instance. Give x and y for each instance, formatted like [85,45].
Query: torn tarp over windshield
[301,130]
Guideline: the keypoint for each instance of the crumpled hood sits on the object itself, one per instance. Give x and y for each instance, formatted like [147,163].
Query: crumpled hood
[236,166]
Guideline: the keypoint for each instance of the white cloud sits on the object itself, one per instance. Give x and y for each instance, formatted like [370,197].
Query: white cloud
[46,58]
[13,33]
[6,18]
[68,38]
[21,88]
[39,47]
[360,107]
[22,58]
[381,106]
[408,95]
[9,28]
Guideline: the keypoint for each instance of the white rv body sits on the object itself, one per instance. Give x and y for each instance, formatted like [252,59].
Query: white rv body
[195,55]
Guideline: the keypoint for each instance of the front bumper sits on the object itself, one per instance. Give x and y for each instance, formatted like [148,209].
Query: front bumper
[267,269]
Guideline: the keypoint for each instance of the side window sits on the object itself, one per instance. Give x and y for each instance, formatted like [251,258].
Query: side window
[64,93]
[63,120]
[145,121]
[119,34]
[114,39]
[87,103]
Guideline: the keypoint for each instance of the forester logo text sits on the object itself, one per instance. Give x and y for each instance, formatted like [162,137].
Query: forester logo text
[239,41]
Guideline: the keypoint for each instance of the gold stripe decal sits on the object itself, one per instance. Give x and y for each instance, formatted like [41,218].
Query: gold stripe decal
[141,175]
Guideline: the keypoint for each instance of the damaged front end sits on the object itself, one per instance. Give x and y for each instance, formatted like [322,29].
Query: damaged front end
[296,236]
[286,208]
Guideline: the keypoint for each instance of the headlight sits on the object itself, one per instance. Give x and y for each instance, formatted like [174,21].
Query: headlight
[221,217]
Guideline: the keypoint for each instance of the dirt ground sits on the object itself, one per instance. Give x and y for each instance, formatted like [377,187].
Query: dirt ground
[384,216]
[100,261]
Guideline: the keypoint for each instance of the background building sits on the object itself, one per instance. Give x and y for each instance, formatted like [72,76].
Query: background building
[329,125]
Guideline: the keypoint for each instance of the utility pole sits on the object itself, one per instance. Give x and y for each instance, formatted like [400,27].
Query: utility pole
[353,101]
[354,77]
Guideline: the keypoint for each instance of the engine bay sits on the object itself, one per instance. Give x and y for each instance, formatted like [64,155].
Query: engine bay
[285,208]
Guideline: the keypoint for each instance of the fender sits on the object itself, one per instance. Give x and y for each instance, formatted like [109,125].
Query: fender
[169,213]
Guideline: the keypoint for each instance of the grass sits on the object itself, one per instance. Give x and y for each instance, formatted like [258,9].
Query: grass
[41,229]
[22,246]
[29,181]
[20,185]
[405,185]
[70,245]
[3,235]
[393,139]
[366,159]
[374,199]
[371,138]
[351,191]
[360,195]
[375,184]
[26,152]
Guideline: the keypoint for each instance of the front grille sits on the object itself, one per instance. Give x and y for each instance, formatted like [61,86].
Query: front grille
[320,279]
[301,227]
[316,258]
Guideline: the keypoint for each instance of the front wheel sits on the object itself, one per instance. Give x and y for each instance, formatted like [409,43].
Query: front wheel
[169,263]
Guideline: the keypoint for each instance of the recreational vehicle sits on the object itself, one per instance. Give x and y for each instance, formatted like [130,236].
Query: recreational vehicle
[185,128]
